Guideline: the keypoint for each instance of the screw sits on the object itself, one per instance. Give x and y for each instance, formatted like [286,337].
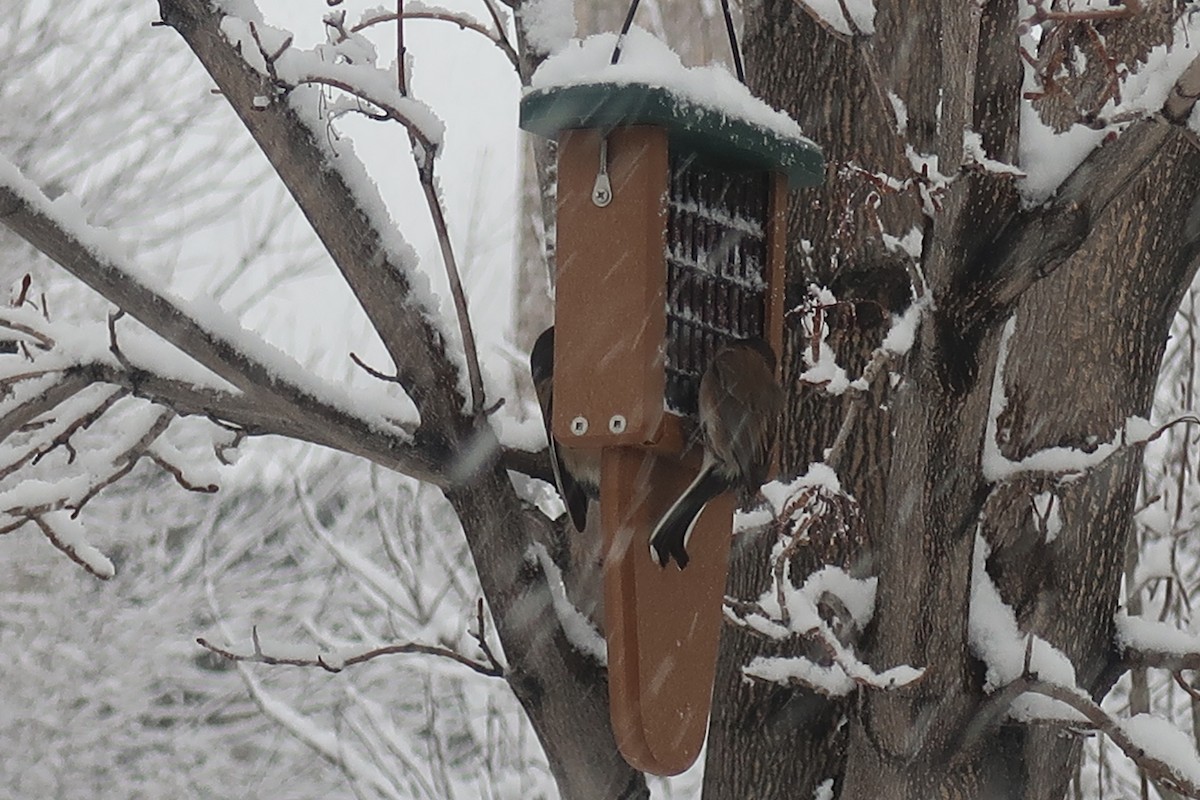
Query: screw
[579,426]
[617,424]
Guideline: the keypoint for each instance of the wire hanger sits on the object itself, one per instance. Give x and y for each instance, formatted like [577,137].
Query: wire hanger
[733,43]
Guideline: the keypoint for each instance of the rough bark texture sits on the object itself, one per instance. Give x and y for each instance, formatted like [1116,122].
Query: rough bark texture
[1097,271]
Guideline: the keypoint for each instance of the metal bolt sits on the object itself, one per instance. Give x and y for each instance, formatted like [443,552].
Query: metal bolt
[579,426]
[617,424]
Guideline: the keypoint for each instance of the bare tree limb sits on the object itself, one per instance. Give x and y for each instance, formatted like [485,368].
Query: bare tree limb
[461,20]
[490,669]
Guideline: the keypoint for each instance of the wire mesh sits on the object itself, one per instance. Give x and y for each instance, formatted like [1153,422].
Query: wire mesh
[716,267]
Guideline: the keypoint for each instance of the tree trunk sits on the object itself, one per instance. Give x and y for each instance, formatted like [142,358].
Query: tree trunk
[1092,278]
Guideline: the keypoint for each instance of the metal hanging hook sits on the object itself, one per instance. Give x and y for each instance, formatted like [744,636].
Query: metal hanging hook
[602,189]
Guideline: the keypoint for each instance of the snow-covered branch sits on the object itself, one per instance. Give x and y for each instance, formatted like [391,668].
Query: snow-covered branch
[576,626]
[272,394]
[342,204]
[1154,744]
[829,609]
[1145,642]
[1063,462]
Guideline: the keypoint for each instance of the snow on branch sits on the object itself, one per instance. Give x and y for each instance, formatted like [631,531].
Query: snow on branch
[269,50]
[67,534]
[830,608]
[998,642]
[338,197]
[1146,642]
[578,629]
[821,367]
[1064,462]
[1154,744]
[272,393]
[38,381]
[347,64]
[809,612]
[1031,680]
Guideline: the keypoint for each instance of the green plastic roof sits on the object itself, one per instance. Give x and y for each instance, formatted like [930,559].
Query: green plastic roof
[689,125]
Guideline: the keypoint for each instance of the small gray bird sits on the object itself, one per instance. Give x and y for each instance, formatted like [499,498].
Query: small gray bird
[576,471]
[739,406]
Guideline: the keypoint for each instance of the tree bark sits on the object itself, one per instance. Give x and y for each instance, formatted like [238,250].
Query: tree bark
[1093,278]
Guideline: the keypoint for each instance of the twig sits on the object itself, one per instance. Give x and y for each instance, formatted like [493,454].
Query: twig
[177,473]
[67,549]
[499,39]
[130,458]
[1192,691]
[480,636]
[259,657]
[374,373]
[434,202]
[63,438]
[113,347]
[401,82]
[43,341]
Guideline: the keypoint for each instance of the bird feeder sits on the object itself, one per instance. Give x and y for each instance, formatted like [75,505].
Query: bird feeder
[671,230]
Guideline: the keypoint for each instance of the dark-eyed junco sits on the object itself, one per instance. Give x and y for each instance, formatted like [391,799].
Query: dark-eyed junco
[576,471]
[739,406]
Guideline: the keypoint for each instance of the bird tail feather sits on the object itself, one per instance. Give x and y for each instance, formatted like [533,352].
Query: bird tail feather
[670,537]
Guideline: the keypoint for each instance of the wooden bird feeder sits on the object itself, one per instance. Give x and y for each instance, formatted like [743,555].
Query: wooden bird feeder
[671,237]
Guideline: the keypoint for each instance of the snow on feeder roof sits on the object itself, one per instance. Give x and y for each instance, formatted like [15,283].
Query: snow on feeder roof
[704,109]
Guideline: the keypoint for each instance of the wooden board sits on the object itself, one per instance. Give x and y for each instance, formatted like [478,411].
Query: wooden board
[662,625]
[610,315]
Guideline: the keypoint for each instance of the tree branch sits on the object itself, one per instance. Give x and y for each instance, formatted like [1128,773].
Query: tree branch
[1101,721]
[1037,242]
[461,20]
[270,403]
[336,663]
[66,386]
[347,226]
[320,424]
